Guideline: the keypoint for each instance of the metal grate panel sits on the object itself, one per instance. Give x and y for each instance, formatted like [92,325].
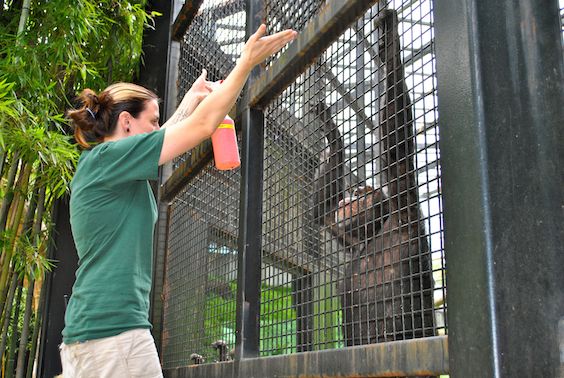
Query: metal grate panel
[213,42]
[359,125]
[289,14]
[201,268]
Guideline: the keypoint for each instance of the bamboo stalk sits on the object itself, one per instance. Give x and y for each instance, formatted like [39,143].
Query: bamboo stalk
[34,230]
[43,204]
[36,329]
[8,193]
[22,184]
[24,15]
[9,371]
[20,366]
[3,157]
[7,313]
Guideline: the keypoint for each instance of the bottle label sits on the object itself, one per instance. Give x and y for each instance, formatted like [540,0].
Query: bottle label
[226,126]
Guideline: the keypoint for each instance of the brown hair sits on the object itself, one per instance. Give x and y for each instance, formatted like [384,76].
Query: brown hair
[98,116]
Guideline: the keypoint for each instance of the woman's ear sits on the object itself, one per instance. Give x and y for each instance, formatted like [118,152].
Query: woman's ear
[124,122]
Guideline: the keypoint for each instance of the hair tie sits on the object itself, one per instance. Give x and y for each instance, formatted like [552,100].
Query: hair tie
[91,113]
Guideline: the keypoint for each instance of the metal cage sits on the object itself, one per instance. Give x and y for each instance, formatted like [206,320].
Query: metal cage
[350,210]
[352,249]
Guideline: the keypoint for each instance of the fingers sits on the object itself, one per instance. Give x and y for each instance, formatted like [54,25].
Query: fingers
[260,46]
[281,39]
[202,76]
[259,33]
[284,35]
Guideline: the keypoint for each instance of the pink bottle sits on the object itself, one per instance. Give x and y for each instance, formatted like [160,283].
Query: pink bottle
[225,149]
[224,142]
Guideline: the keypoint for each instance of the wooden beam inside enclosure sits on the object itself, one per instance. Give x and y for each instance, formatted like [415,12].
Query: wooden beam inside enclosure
[405,358]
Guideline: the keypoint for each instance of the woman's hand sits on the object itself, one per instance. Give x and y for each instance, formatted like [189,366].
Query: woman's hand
[259,47]
[197,92]
[200,89]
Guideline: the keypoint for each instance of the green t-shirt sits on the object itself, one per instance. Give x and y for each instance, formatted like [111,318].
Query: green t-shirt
[113,214]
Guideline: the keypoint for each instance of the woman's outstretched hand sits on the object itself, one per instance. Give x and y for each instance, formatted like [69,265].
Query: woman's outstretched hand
[259,47]
[201,87]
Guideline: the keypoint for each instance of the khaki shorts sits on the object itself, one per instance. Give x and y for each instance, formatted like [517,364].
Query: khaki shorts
[129,354]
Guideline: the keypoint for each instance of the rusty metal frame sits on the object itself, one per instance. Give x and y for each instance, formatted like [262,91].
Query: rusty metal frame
[184,18]
[428,356]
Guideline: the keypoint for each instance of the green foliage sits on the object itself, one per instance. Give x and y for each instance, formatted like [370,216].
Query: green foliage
[219,320]
[60,48]
[29,260]
[277,321]
[65,47]
[278,325]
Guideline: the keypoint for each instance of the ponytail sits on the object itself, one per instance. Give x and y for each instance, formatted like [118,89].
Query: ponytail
[97,117]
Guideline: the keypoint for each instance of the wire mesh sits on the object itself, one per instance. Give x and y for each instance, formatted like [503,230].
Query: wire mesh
[201,264]
[289,14]
[352,215]
[352,232]
[201,269]
[213,42]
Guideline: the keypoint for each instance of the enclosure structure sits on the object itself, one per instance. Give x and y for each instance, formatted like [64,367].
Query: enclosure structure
[324,255]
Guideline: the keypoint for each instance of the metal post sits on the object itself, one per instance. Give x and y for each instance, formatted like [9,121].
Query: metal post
[500,82]
[250,216]
[153,74]
[59,284]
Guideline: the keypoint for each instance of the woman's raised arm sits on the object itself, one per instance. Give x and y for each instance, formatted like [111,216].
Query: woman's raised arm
[186,133]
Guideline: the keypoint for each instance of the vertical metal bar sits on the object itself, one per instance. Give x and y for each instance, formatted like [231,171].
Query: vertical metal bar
[303,299]
[250,214]
[250,232]
[360,87]
[159,266]
[59,283]
[500,81]
[156,48]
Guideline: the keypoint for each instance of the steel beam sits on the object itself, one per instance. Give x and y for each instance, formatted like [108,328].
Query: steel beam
[249,248]
[500,87]
[185,18]
[427,356]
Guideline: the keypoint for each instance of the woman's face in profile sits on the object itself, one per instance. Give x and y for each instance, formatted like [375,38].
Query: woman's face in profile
[147,121]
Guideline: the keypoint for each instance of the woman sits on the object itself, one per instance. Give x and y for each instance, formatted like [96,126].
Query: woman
[113,211]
